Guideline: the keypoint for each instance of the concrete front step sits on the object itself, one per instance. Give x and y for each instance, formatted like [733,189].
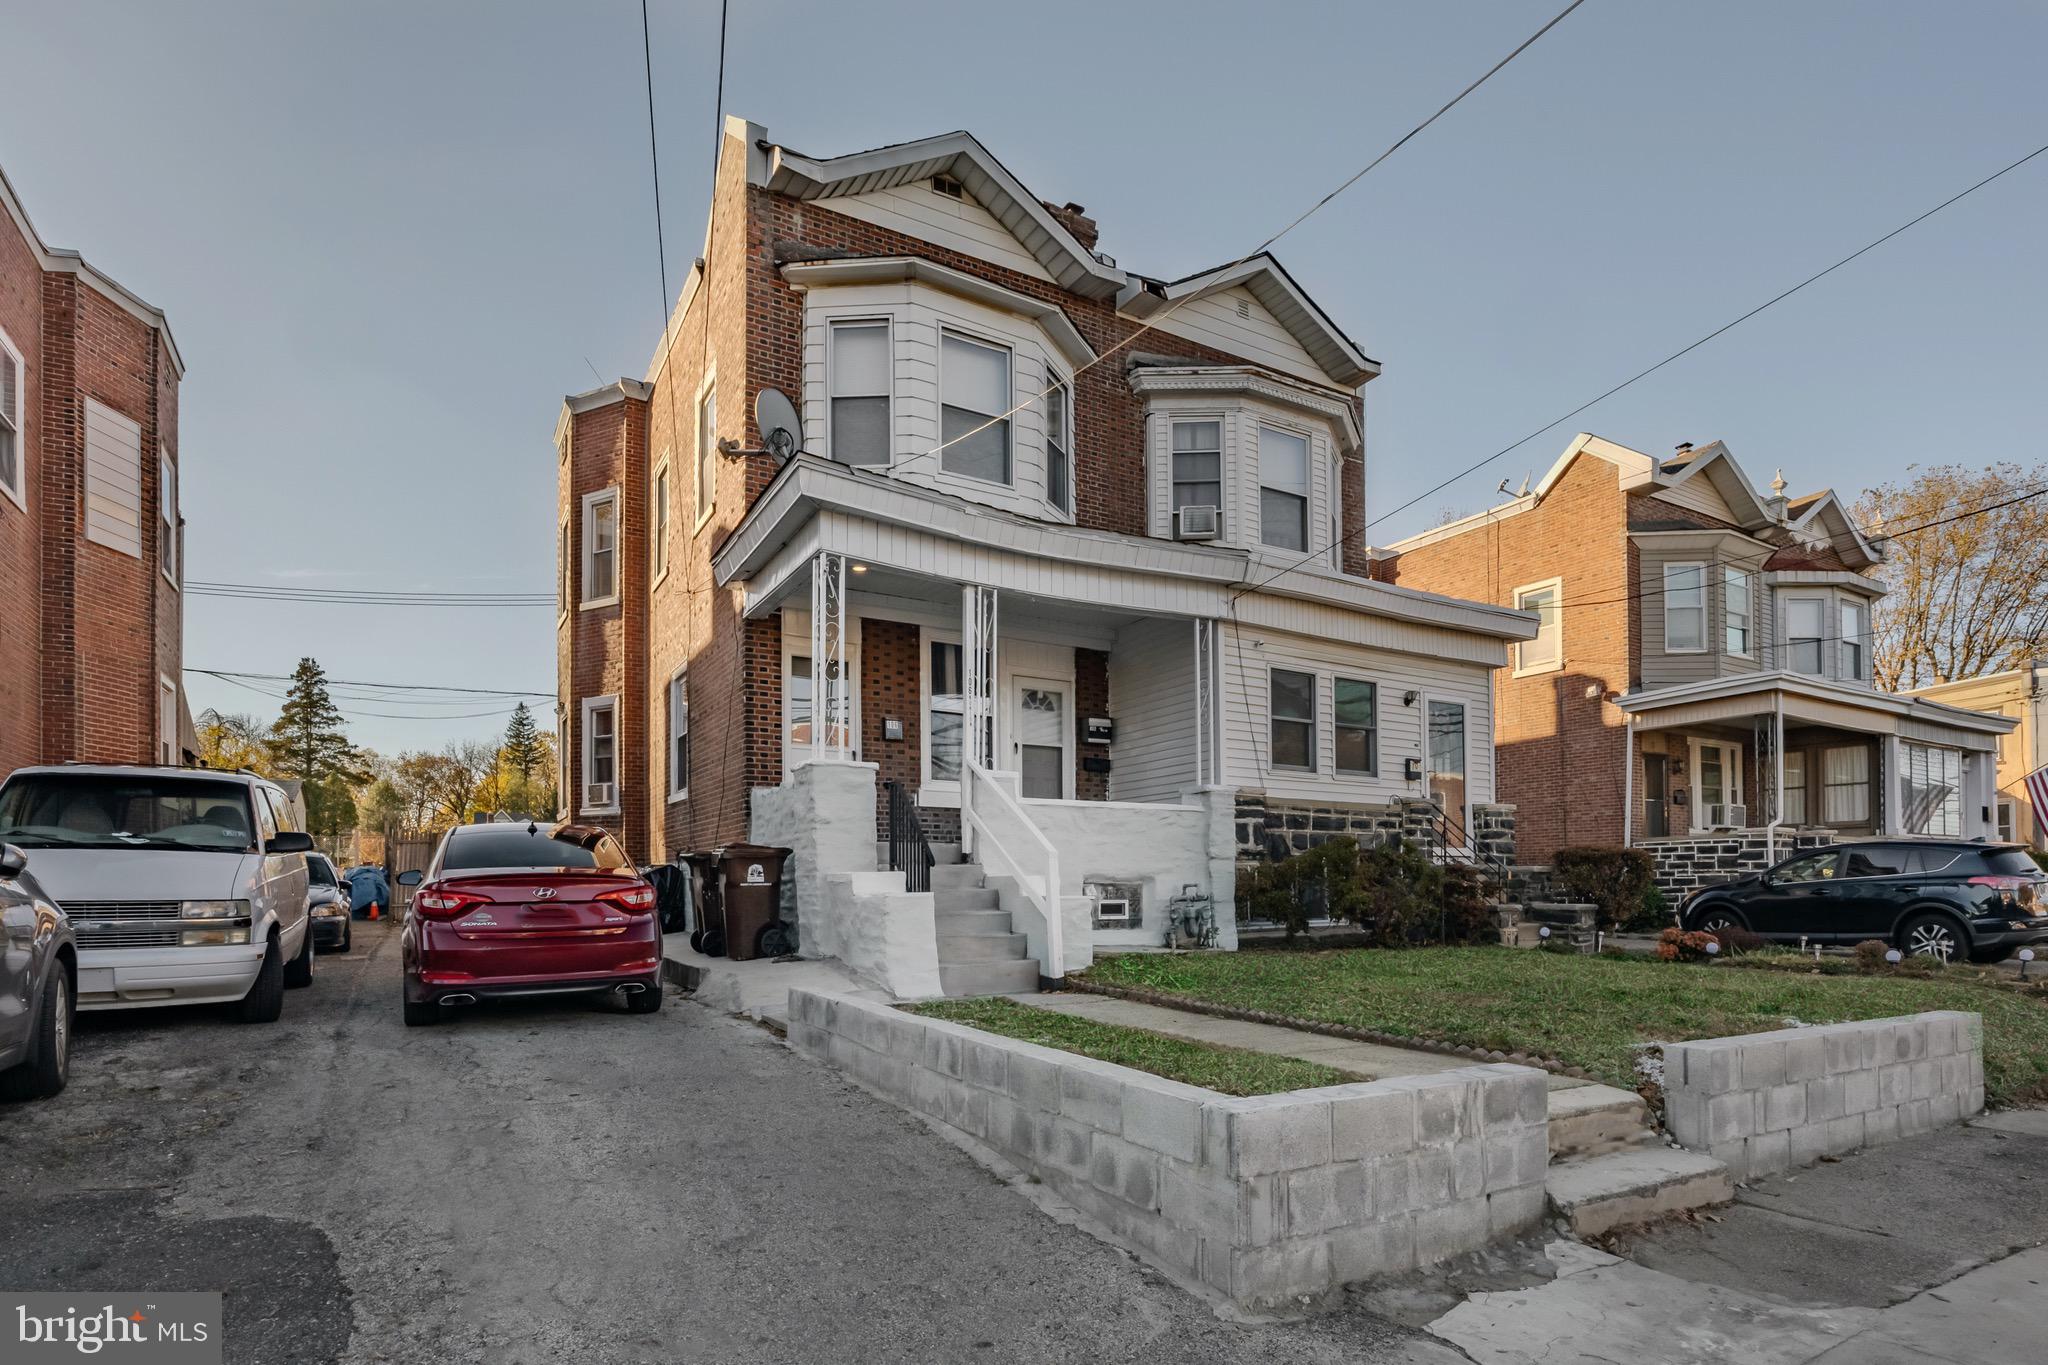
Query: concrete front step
[958,922]
[989,978]
[1588,1120]
[1635,1185]
[980,947]
[956,877]
[955,899]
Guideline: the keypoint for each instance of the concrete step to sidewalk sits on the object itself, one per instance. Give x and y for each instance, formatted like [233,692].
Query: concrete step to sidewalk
[957,898]
[1594,1119]
[956,877]
[1635,1185]
[956,948]
[989,978]
[953,923]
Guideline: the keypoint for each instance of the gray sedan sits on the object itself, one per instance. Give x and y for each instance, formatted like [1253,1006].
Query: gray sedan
[38,980]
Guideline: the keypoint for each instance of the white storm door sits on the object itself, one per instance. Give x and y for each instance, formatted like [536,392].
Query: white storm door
[1042,737]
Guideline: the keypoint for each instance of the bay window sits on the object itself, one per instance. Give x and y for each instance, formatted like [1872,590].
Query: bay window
[1805,625]
[1685,608]
[1283,489]
[1197,464]
[1059,439]
[601,548]
[1855,642]
[1293,706]
[1737,611]
[974,398]
[860,364]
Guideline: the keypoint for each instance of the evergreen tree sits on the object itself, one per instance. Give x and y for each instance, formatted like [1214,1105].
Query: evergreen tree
[523,752]
[307,741]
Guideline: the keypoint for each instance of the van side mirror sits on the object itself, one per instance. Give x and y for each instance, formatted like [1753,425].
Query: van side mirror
[289,841]
[411,878]
[13,862]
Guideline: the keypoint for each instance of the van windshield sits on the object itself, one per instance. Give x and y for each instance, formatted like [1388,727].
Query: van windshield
[119,810]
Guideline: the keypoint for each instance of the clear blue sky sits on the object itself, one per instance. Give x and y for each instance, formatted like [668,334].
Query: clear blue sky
[391,235]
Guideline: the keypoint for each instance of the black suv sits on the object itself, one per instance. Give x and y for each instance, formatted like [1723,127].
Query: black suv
[1950,899]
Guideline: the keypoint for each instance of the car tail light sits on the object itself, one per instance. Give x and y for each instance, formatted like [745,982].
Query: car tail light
[2008,888]
[445,904]
[638,900]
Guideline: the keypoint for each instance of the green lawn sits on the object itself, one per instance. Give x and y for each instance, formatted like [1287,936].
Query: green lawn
[1585,1011]
[1230,1070]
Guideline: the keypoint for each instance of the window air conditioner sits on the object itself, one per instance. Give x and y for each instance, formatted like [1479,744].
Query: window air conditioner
[1197,522]
[1728,817]
[599,794]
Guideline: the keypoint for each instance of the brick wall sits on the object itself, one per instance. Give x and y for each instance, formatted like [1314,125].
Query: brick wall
[890,690]
[21,536]
[1558,750]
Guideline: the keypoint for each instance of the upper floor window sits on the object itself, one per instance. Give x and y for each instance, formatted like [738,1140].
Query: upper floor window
[13,452]
[1805,624]
[1546,651]
[1685,608]
[657,520]
[1737,611]
[859,385]
[1283,489]
[679,736]
[707,451]
[563,589]
[167,515]
[1197,465]
[1059,444]
[1293,719]
[601,547]
[1855,642]
[974,403]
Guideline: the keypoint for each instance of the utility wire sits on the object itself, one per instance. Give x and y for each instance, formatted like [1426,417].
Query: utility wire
[1645,373]
[344,682]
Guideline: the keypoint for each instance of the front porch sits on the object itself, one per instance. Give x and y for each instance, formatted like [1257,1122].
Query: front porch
[1727,777]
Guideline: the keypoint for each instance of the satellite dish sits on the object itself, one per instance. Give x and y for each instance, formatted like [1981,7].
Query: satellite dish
[782,431]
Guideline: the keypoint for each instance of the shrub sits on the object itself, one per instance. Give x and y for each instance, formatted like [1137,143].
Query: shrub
[1736,940]
[1393,892]
[1652,915]
[1679,945]
[1870,955]
[1615,881]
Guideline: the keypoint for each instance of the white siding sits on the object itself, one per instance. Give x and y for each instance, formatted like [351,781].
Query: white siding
[1214,321]
[1697,494]
[113,479]
[1248,655]
[1152,697]
[1240,416]
[917,210]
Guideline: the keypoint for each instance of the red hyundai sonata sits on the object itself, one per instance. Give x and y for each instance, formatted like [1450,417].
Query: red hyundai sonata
[511,910]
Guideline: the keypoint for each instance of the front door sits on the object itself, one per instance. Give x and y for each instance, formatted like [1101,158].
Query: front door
[1042,737]
[1656,795]
[1447,760]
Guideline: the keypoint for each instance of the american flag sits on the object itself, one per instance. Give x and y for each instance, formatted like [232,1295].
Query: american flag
[2037,794]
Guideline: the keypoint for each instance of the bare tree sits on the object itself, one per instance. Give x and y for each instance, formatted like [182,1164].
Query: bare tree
[1968,592]
[463,770]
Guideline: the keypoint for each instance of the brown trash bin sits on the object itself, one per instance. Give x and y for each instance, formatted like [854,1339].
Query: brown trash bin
[752,877]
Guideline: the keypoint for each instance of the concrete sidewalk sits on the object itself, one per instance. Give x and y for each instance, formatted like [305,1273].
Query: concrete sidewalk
[1369,1060]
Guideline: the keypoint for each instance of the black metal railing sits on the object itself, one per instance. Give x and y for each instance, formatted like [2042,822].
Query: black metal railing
[1450,842]
[909,851]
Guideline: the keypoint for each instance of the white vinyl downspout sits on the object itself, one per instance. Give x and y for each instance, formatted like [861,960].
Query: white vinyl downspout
[1628,780]
[1777,780]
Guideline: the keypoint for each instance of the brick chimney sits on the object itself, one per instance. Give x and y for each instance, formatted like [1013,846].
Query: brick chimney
[1074,218]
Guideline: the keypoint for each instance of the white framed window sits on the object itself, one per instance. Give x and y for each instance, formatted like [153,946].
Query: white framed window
[1059,444]
[1545,653]
[657,522]
[167,746]
[1685,608]
[1932,783]
[945,710]
[1292,703]
[601,548]
[1793,803]
[1845,784]
[1805,624]
[859,365]
[1283,488]
[167,515]
[1855,641]
[13,424]
[1716,785]
[679,735]
[1197,471]
[2008,821]
[974,403]
[706,478]
[563,739]
[1356,726]
[601,755]
[1738,612]
[565,582]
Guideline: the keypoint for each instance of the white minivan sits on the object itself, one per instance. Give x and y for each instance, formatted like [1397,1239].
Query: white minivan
[184,886]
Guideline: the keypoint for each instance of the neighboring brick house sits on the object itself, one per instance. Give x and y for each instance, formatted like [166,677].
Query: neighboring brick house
[1020,562]
[1729,631]
[91,551]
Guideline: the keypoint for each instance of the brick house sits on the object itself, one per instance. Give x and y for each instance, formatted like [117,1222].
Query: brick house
[2021,693]
[91,540]
[1700,686]
[1079,608]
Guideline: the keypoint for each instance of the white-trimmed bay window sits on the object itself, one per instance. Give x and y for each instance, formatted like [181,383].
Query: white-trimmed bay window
[167,515]
[974,406]
[1546,651]
[1197,472]
[1738,612]
[1685,608]
[1292,703]
[679,735]
[13,424]
[1283,488]
[601,548]
[657,521]
[1059,444]
[1855,641]
[601,755]
[1805,627]
[858,379]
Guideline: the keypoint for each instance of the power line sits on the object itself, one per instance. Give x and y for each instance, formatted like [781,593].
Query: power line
[296,591]
[399,687]
[1645,373]
[1160,317]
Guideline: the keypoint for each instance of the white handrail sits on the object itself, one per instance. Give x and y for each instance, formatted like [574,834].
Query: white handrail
[980,840]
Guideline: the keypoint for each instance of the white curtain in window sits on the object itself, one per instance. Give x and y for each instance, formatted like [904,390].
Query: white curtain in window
[1845,789]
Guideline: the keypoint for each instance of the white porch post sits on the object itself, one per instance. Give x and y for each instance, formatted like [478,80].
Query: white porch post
[1208,740]
[1628,780]
[978,672]
[831,716]
[1777,781]
[1889,785]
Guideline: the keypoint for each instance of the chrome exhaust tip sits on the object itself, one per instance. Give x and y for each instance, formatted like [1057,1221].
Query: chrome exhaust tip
[458,999]
[630,987]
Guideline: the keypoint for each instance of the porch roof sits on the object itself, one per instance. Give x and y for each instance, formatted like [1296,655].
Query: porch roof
[815,504]
[1813,701]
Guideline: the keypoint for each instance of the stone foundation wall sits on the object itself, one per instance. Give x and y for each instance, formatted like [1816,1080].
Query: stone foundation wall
[1263,1199]
[1684,865]
[1766,1102]
[1270,830]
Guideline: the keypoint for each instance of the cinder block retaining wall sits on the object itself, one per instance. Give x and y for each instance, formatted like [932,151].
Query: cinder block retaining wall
[1766,1102]
[1262,1199]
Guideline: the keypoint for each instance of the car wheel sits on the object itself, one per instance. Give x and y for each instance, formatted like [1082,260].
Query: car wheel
[647,1001]
[46,1070]
[265,1000]
[1717,919]
[348,938]
[1933,936]
[419,1015]
[299,971]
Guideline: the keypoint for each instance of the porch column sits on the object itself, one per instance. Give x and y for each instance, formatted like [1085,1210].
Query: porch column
[831,716]
[1208,736]
[978,672]
[1628,780]
[1890,792]
[1777,780]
